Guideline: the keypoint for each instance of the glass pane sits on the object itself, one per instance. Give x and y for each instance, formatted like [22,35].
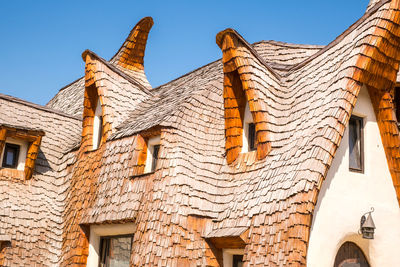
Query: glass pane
[117,251]
[10,157]
[156,149]
[252,137]
[237,261]
[355,157]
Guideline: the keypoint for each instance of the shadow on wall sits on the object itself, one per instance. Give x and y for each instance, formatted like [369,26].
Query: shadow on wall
[332,172]
[42,164]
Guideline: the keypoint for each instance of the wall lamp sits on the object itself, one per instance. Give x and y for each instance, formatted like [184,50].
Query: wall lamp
[367,225]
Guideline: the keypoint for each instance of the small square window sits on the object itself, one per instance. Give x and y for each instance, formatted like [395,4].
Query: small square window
[10,156]
[115,251]
[356,149]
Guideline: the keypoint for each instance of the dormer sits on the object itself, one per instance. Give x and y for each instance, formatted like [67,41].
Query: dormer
[114,88]
[246,119]
[19,148]
[147,152]
[93,124]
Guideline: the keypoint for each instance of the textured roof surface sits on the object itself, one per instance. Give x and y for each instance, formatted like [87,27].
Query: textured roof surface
[30,212]
[305,95]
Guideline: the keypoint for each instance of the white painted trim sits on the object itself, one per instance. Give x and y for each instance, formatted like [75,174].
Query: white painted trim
[150,148]
[22,152]
[97,231]
[96,125]
[248,118]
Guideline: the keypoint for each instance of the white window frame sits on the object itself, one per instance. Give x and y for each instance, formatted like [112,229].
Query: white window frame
[248,118]
[98,231]
[149,154]
[96,125]
[23,151]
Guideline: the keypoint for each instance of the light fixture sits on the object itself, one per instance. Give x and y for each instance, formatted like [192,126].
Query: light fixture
[367,225]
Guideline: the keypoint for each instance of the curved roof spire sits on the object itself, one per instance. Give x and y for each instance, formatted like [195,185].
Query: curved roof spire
[130,55]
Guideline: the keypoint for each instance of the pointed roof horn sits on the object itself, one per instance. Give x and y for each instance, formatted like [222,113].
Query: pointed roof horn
[131,53]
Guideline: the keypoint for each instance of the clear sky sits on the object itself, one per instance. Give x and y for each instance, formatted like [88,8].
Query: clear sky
[42,41]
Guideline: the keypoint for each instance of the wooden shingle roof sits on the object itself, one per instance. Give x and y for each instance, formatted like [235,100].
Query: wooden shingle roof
[307,94]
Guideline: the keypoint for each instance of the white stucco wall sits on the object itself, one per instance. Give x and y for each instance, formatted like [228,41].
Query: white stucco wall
[345,196]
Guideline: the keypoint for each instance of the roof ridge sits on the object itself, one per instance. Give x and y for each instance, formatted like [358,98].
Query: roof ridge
[249,47]
[340,37]
[115,69]
[285,44]
[36,106]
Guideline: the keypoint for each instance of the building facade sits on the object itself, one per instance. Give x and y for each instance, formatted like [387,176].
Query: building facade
[267,157]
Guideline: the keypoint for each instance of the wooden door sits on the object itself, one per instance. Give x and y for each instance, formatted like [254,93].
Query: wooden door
[350,255]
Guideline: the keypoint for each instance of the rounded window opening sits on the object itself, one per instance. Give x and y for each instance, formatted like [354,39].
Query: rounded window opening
[350,255]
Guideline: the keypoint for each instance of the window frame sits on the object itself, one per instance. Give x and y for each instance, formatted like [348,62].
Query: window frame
[17,149]
[251,136]
[97,126]
[361,136]
[102,250]
[151,161]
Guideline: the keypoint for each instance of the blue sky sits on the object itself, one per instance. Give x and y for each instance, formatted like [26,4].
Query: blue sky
[42,41]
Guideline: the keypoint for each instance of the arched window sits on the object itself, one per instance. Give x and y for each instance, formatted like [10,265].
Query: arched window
[350,254]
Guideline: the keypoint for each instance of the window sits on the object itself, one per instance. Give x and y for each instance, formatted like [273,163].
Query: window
[252,136]
[10,156]
[156,149]
[249,132]
[232,257]
[356,157]
[396,103]
[153,149]
[237,261]
[110,244]
[115,251]
[97,126]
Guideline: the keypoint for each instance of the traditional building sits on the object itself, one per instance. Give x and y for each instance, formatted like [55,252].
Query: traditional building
[268,157]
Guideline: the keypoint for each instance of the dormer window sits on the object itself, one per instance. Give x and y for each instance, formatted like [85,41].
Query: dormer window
[97,126]
[19,149]
[14,153]
[249,132]
[153,149]
[10,156]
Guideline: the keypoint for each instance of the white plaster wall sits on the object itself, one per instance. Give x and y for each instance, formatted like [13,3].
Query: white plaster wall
[345,196]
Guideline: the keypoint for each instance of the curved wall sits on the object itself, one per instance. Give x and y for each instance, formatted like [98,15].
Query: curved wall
[345,196]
